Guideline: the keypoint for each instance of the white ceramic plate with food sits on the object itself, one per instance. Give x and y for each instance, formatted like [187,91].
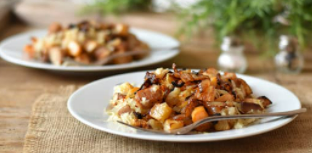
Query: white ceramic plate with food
[89,102]
[11,50]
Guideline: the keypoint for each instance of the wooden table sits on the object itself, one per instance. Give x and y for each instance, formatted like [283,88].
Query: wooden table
[20,86]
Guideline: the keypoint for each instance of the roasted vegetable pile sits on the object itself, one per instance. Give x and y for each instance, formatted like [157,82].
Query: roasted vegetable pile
[172,99]
[86,43]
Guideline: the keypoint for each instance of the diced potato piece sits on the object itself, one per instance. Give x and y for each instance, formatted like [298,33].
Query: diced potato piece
[222,125]
[101,53]
[178,108]
[171,124]
[230,111]
[90,46]
[123,88]
[243,122]
[186,93]
[74,49]
[161,72]
[56,56]
[198,114]
[140,123]
[173,97]
[128,118]
[114,43]
[156,125]
[121,29]
[131,92]
[83,58]
[161,112]
[167,81]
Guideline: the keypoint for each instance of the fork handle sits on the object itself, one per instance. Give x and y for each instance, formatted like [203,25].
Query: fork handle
[217,118]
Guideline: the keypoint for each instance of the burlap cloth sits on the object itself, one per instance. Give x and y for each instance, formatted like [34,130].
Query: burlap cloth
[52,129]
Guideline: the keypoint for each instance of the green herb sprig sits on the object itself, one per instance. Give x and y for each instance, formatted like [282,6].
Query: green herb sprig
[261,20]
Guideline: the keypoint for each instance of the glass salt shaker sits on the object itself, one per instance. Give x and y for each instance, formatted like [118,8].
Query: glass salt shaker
[289,59]
[232,58]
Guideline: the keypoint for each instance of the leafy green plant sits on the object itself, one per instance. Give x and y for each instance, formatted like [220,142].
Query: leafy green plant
[116,6]
[258,20]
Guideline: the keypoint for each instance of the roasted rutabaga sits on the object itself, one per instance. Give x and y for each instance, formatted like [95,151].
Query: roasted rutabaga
[171,99]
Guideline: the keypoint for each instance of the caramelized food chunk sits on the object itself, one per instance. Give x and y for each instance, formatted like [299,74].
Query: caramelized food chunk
[200,113]
[247,107]
[89,42]
[149,96]
[169,100]
[56,56]
[171,124]
[265,101]
[161,112]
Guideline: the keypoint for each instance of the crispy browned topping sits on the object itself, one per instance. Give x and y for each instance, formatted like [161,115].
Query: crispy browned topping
[173,99]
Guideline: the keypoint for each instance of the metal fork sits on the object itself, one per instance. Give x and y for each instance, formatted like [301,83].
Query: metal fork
[190,127]
[110,58]
[71,62]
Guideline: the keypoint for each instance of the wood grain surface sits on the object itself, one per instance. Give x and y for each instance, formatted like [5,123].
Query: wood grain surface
[20,86]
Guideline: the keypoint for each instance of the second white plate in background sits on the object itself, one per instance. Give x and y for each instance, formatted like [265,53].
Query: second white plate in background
[11,50]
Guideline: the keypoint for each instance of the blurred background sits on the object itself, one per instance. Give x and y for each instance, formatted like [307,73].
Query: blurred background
[201,25]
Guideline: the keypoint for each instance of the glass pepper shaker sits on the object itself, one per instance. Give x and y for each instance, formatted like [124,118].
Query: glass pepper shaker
[289,59]
[232,58]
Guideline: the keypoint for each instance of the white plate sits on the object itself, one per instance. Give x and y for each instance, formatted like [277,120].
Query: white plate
[11,50]
[89,102]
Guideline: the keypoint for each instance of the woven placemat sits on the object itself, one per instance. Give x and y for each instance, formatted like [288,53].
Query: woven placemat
[53,130]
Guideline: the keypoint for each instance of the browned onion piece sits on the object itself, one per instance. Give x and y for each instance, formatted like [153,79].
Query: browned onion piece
[265,101]
[247,107]
[186,77]
[192,103]
[151,77]
[213,110]
[246,86]
[179,117]
[199,77]
[215,104]
[120,96]
[124,109]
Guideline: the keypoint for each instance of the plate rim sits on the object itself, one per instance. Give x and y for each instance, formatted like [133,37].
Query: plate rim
[38,65]
[76,116]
